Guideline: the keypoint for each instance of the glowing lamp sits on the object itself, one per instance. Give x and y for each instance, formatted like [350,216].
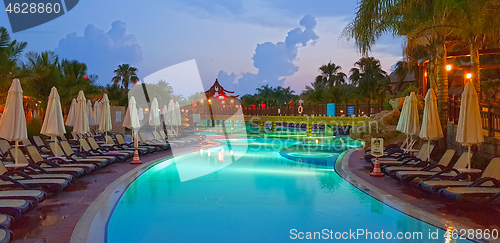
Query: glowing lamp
[232,101]
[221,97]
[209,101]
[341,111]
[253,106]
[182,110]
[468,76]
[263,105]
[448,67]
[146,110]
[87,77]
[425,74]
[201,101]
[223,102]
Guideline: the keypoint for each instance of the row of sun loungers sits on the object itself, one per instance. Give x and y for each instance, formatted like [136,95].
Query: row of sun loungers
[51,167]
[447,179]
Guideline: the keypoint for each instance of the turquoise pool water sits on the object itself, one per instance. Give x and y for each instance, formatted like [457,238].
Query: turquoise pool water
[260,197]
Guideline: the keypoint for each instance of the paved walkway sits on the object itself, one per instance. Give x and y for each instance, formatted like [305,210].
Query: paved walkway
[470,217]
[53,220]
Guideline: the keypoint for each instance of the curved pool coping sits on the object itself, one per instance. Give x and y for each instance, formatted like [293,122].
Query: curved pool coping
[91,228]
[345,172]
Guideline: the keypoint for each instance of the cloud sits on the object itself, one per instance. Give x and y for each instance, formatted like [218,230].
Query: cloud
[101,51]
[274,61]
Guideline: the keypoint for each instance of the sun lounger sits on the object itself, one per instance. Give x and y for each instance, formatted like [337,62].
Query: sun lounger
[44,166]
[121,141]
[422,166]
[413,177]
[5,221]
[422,155]
[97,154]
[123,154]
[111,142]
[81,157]
[32,174]
[15,207]
[35,196]
[161,145]
[47,185]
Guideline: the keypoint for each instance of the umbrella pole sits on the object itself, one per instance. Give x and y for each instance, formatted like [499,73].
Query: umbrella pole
[16,153]
[55,141]
[468,146]
[429,150]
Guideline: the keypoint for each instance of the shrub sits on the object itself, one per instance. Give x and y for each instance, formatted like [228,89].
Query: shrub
[34,126]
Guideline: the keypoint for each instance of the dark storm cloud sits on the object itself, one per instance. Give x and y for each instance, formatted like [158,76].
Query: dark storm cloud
[101,51]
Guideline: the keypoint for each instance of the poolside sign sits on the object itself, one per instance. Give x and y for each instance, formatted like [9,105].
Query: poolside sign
[350,110]
[377,147]
[330,109]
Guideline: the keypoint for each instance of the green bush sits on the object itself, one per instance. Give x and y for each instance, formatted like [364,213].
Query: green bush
[34,127]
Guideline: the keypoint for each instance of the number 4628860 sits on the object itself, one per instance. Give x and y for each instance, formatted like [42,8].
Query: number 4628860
[26,8]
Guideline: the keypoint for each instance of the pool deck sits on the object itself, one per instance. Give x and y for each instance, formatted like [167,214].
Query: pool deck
[54,220]
[421,205]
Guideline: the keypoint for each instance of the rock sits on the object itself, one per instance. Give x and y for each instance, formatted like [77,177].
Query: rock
[386,117]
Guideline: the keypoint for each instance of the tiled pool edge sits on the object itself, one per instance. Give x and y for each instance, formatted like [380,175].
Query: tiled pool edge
[88,229]
[92,226]
[345,172]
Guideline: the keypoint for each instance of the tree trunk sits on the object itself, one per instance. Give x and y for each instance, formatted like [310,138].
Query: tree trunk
[442,85]
[476,76]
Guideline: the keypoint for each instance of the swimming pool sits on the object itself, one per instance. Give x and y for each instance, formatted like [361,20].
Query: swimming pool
[261,197]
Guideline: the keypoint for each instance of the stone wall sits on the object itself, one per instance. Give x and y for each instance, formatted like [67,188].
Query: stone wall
[489,149]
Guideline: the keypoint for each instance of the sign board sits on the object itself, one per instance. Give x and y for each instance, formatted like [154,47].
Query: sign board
[118,116]
[196,118]
[350,110]
[330,109]
[377,147]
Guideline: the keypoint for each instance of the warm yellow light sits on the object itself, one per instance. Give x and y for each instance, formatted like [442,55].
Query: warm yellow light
[146,109]
[209,101]
[425,74]
[468,76]
[201,101]
[341,111]
[232,101]
[448,67]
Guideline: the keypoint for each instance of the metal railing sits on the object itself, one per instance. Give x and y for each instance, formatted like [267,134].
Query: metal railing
[365,109]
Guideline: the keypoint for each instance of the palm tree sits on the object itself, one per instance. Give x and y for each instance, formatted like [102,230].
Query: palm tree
[331,74]
[370,79]
[124,75]
[10,51]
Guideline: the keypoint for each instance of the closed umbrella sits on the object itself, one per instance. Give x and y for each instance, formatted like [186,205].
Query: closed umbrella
[431,126]
[140,113]
[105,124]
[412,124]
[165,115]
[13,122]
[70,119]
[90,113]
[97,112]
[403,121]
[81,121]
[53,123]
[178,117]
[470,128]
[154,114]
[171,116]
[132,119]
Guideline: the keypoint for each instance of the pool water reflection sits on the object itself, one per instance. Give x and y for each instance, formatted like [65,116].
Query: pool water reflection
[259,197]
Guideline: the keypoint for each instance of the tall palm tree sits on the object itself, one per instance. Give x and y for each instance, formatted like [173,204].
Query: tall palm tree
[370,79]
[331,74]
[10,51]
[124,75]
